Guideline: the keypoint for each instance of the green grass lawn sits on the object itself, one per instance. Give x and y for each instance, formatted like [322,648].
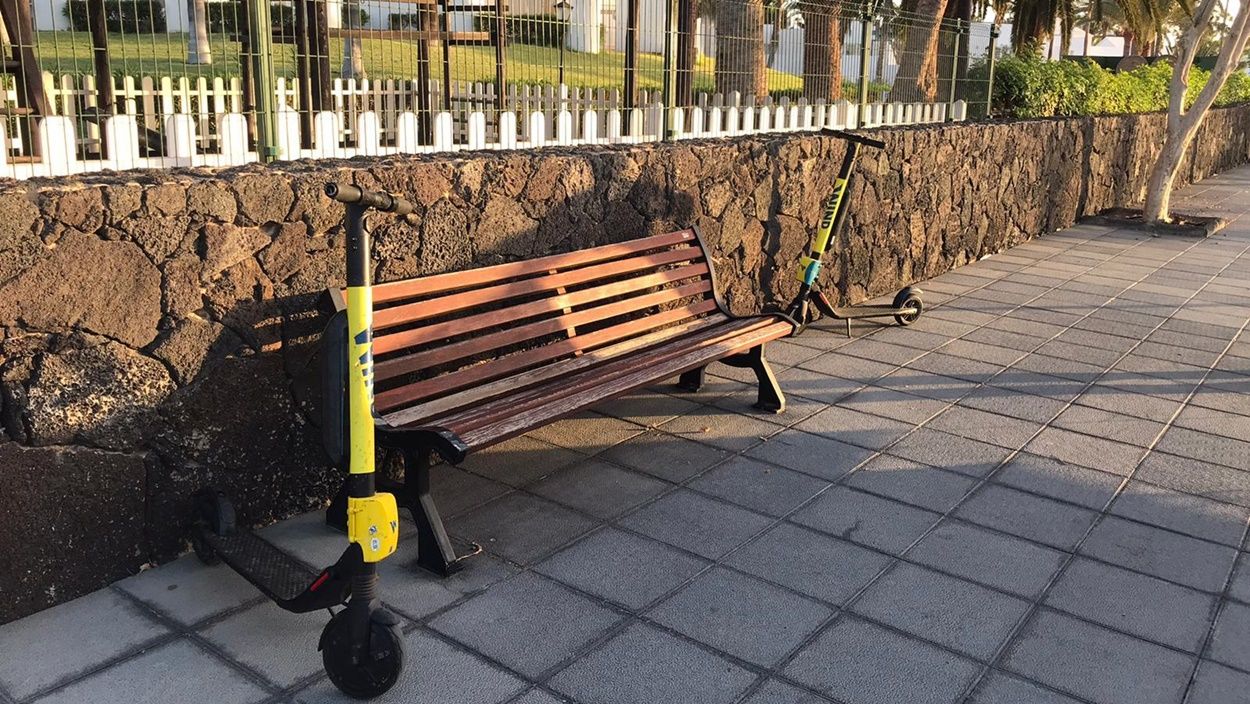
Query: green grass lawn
[165,55]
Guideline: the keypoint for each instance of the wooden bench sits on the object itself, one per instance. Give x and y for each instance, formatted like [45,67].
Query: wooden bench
[468,359]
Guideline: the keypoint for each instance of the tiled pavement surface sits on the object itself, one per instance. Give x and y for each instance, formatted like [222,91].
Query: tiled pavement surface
[1038,493]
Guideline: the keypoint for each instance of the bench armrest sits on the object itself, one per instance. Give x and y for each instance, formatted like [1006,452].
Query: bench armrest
[447,444]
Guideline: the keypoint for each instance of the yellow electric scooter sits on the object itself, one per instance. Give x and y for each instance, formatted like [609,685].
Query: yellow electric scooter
[362,646]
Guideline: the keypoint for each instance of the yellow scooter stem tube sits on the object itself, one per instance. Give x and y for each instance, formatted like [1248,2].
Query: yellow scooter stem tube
[372,518]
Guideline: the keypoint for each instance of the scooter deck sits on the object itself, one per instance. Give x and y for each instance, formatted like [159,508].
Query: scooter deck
[280,576]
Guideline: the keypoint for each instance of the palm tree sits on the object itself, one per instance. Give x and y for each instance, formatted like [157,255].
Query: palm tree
[198,49]
[822,50]
[917,79]
[740,47]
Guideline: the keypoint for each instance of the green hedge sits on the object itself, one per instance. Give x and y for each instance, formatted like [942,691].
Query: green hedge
[535,30]
[225,17]
[1030,87]
[120,16]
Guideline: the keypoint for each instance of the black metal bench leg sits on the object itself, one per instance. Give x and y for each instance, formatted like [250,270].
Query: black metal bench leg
[770,397]
[692,380]
[434,550]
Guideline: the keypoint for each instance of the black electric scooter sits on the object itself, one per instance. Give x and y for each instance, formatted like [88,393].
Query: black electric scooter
[362,646]
[811,304]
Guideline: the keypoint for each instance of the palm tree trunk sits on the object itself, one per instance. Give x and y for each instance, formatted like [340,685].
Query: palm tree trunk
[353,54]
[198,49]
[740,48]
[686,51]
[916,80]
[822,50]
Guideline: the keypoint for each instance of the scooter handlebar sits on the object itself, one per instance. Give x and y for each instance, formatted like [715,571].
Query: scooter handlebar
[851,137]
[387,203]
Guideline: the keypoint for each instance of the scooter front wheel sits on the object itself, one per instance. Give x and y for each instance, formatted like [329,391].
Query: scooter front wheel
[363,673]
[908,299]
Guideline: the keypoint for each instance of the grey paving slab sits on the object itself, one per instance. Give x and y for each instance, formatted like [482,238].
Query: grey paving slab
[815,385]
[1134,603]
[589,432]
[1155,551]
[1097,664]
[847,366]
[957,367]
[865,519]
[1205,447]
[724,429]
[648,407]
[519,461]
[1232,633]
[528,623]
[624,568]
[761,487]
[1002,688]
[882,352]
[1184,513]
[953,612]
[1000,561]
[810,453]
[958,454]
[1019,378]
[1112,426]
[95,629]
[982,351]
[435,672]
[1069,369]
[911,482]
[644,665]
[741,615]
[845,662]
[696,523]
[175,672]
[520,527]
[1089,355]
[1059,525]
[1014,404]
[308,538]
[601,489]
[890,403]
[665,456]
[416,592]
[1195,477]
[188,591]
[1125,401]
[1239,587]
[919,382]
[457,490]
[826,568]
[777,692]
[1086,451]
[1011,433]
[537,696]
[1216,684]
[855,428]
[272,642]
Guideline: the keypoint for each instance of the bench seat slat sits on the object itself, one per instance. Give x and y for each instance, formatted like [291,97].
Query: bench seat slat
[391,399]
[413,312]
[471,416]
[513,424]
[441,283]
[384,344]
[420,413]
[459,351]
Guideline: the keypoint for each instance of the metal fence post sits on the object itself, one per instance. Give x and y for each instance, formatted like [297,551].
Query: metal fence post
[669,91]
[865,60]
[956,43]
[989,86]
[261,39]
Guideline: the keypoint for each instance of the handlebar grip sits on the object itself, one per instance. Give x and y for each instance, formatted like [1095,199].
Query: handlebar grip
[387,203]
[850,137]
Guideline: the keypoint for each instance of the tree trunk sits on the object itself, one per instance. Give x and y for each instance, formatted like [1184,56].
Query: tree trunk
[353,54]
[740,48]
[1183,124]
[686,53]
[198,49]
[822,50]
[916,80]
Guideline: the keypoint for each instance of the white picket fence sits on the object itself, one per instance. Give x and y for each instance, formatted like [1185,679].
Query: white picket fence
[201,124]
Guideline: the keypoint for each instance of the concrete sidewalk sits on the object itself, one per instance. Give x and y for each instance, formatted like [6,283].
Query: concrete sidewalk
[1038,493]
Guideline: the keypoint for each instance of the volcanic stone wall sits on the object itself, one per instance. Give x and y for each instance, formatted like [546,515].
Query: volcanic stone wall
[158,329]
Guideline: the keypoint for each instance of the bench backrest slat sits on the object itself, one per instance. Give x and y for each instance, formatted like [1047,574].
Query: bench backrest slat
[451,281]
[447,333]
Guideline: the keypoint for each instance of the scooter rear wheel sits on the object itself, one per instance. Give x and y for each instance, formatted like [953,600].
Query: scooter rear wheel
[908,298]
[215,513]
[378,671]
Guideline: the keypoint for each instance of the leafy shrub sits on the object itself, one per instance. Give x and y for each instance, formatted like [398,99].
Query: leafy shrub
[536,30]
[1031,87]
[120,16]
[226,17]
